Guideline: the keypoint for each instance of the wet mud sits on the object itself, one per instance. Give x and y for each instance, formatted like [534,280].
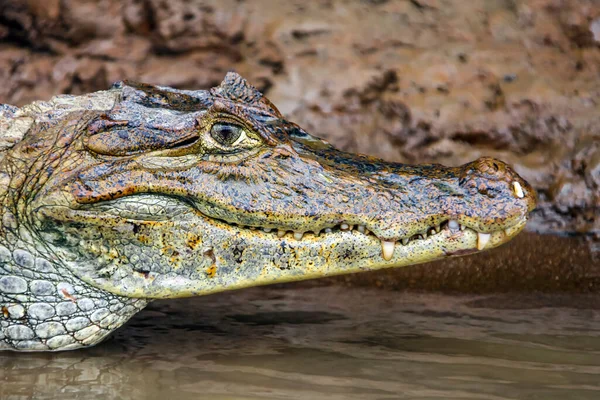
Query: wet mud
[530,262]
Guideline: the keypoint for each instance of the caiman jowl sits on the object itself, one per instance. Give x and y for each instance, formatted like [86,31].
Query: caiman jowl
[114,198]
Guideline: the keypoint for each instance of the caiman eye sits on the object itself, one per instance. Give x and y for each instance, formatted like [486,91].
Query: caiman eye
[227,134]
[227,141]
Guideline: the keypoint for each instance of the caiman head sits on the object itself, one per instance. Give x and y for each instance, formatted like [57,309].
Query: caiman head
[174,193]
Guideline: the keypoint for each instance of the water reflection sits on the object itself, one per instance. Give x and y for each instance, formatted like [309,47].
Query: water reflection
[334,343]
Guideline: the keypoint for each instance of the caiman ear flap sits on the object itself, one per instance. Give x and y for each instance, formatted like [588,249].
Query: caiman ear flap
[237,89]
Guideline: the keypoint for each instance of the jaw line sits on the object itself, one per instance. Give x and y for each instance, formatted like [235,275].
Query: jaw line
[185,206]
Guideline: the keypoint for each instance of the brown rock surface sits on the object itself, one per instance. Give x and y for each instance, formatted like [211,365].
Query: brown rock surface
[412,81]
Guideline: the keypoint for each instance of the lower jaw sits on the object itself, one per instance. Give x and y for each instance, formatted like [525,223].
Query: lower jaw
[244,258]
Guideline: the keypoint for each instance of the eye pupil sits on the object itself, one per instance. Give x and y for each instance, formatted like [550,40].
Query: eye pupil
[225,134]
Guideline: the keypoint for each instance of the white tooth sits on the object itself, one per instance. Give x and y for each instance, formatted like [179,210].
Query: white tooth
[463,227]
[267,230]
[344,227]
[281,233]
[518,190]
[317,232]
[424,235]
[437,229]
[482,240]
[298,235]
[252,228]
[405,241]
[453,225]
[388,249]
[328,230]
[361,228]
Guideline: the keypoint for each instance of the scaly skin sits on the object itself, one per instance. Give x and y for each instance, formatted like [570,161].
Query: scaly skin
[115,198]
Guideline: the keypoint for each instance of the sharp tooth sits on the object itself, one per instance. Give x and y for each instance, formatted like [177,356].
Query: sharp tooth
[281,233]
[388,249]
[437,229]
[518,190]
[328,230]
[423,235]
[298,235]
[267,230]
[482,240]
[453,225]
[361,228]
[463,227]
[344,227]
[405,241]
[317,232]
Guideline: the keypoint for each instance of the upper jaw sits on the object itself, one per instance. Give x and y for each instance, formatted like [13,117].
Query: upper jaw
[164,208]
[335,201]
[393,203]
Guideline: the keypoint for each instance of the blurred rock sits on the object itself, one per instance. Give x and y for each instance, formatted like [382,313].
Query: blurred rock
[409,81]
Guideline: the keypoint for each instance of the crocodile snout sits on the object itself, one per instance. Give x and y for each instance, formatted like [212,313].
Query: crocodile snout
[494,178]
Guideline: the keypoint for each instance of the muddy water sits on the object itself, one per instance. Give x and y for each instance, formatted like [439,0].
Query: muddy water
[332,343]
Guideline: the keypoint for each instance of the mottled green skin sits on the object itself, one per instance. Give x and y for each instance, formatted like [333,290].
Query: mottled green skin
[114,198]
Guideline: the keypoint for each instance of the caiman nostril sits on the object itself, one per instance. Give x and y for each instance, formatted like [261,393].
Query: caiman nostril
[491,167]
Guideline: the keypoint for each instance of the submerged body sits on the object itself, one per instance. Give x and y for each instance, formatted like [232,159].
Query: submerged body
[115,198]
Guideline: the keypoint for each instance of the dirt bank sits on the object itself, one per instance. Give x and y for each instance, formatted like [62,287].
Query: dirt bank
[410,81]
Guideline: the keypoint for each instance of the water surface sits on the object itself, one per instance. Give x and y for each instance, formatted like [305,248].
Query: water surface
[331,343]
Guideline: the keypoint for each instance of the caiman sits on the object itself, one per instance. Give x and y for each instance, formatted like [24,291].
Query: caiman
[111,199]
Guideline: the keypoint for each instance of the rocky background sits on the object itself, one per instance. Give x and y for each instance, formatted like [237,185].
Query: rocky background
[441,81]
